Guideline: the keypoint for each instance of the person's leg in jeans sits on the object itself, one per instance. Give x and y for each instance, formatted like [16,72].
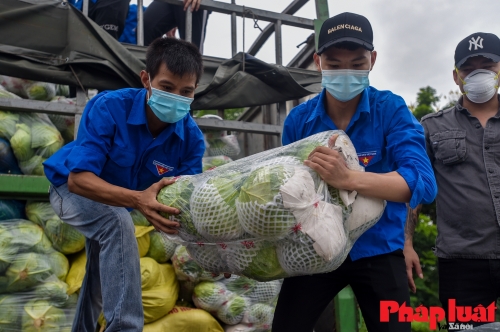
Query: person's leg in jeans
[113,266]
[469,281]
[158,20]
[303,299]
[110,15]
[379,278]
[200,19]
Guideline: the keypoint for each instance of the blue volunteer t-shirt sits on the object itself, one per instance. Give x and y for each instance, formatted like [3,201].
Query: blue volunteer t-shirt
[387,138]
[115,144]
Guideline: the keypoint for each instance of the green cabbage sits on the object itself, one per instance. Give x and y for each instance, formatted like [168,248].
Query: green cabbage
[265,292]
[21,143]
[7,252]
[9,313]
[33,166]
[59,264]
[53,290]
[209,295]
[62,90]
[265,265]
[28,237]
[177,195]
[8,123]
[160,249]
[46,137]
[304,148]
[217,216]
[263,187]
[41,91]
[233,310]
[241,285]
[65,238]
[39,212]
[139,219]
[26,271]
[42,316]
[261,315]
[185,267]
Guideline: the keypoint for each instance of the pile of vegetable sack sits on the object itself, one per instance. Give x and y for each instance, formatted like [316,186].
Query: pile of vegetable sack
[237,302]
[33,292]
[268,216]
[218,142]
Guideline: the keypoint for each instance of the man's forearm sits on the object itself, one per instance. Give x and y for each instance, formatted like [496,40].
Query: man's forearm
[89,185]
[411,222]
[389,186]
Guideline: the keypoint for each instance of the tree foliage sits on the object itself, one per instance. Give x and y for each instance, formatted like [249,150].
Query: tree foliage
[426,102]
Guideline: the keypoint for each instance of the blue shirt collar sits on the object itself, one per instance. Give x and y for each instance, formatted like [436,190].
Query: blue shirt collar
[363,106]
[137,116]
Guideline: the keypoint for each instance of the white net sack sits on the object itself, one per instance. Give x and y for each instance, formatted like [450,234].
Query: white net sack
[268,216]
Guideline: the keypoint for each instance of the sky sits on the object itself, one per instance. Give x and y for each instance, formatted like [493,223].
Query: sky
[415,40]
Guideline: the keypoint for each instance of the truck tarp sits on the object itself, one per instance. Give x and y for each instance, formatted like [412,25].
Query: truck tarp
[51,41]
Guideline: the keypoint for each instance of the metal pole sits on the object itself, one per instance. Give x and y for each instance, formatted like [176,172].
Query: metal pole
[81,100]
[85,7]
[140,24]
[189,25]
[234,39]
[278,39]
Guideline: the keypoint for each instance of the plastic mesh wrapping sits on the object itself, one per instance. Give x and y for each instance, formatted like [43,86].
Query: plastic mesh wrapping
[239,300]
[268,216]
[33,139]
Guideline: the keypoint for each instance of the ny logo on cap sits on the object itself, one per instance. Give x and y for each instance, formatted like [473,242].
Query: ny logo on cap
[477,43]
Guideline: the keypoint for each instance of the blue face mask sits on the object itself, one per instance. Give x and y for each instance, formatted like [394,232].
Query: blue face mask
[169,107]
[344,84]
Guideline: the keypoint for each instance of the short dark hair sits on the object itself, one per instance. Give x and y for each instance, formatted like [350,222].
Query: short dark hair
[178,55]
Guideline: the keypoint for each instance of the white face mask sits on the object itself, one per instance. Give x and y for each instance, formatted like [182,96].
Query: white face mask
[480,85]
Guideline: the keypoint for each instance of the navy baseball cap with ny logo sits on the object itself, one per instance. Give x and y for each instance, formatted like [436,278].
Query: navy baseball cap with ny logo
[345,27]
[479,43]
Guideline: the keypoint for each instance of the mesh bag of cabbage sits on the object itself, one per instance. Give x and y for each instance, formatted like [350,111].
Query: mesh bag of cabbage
[268,216]
[33,139]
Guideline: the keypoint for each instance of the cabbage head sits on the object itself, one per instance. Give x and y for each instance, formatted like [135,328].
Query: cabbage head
[10,312]
[209,295]
[33,166]
[64,237]
[8,122]
[304,148]
[259,205]
[7,252]
[52,289]
[261,315]
[26,271]
[241,285]
[178,195]
[139,219]
[233,310]
[21,143]
[62,90]
[41,91]
[39,212]
[265,265]
[46,138]
[59,264]
[185,267]
[160,249]
[265,292]
[28,237]
[42,316]
[214,210]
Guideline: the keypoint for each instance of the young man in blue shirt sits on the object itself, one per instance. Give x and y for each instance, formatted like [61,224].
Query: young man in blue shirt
[128,141]
[390,145]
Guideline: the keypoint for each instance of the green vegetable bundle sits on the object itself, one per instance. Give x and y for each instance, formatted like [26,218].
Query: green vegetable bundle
[33,139]
[268,216]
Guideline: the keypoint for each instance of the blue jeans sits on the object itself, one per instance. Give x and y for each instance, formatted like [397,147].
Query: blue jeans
[112,281]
